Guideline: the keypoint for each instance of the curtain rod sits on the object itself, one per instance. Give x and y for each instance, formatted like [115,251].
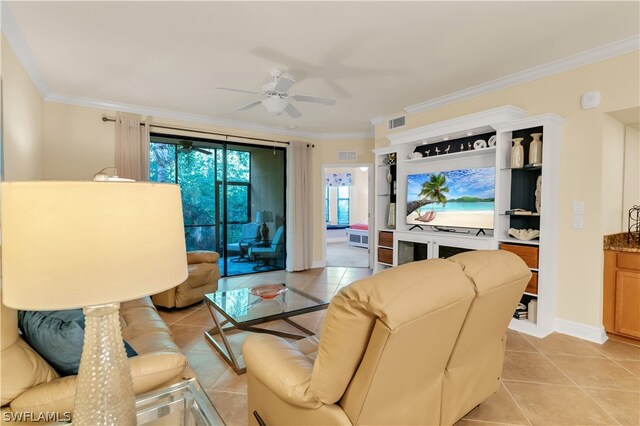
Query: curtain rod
[186,129]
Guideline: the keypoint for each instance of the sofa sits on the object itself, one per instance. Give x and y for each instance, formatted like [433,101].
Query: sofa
[422,343]
[30,384]
[204,274]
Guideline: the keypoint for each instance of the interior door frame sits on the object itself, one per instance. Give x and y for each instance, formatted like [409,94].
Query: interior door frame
[370,203]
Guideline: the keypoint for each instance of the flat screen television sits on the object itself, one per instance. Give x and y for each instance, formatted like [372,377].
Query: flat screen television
[453,198]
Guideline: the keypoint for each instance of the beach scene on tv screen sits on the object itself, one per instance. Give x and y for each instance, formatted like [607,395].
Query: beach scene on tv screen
[456,198]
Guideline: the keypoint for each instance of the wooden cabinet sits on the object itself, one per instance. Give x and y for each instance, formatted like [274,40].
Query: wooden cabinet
[621,311]
[527,253]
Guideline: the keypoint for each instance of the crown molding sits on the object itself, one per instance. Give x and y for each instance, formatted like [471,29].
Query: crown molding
[199,118]
[376,121]
[587,57]
[20,47]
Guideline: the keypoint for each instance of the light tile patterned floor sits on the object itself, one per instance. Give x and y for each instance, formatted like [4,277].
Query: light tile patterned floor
[558,380]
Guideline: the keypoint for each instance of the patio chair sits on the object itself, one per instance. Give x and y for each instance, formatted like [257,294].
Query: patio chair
[250,234]
[266,254]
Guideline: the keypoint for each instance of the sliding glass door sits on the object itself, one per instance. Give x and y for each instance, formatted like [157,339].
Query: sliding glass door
[226,188]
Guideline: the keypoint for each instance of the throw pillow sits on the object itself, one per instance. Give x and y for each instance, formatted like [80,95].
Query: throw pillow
[58,337]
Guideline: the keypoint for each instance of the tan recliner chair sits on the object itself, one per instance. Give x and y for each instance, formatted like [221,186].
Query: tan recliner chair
[204,274]
[419,344]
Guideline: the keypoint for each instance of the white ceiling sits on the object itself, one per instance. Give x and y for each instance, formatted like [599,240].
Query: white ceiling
[376,58]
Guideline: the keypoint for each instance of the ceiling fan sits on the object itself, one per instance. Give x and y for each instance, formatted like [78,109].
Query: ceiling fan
[187,147]
[276,100]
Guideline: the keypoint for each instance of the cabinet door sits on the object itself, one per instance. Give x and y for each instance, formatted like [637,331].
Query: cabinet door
[627,316]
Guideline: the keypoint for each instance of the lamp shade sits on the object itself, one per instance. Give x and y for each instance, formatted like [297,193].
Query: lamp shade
[76,244]
[264,216]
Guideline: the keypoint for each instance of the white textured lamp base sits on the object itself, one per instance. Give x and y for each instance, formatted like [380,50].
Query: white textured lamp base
[104,390]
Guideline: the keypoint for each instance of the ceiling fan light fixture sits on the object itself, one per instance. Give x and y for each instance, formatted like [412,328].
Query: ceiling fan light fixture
[275,105]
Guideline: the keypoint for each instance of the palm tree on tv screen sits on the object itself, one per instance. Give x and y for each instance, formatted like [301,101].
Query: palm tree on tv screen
[435,188]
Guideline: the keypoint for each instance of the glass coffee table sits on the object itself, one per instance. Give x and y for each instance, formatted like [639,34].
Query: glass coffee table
[242,311]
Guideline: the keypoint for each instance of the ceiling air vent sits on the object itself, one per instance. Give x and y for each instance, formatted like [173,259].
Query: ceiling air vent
[347,156]
[394,123]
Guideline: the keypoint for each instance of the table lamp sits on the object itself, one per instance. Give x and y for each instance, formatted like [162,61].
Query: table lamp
[264,217]
[92,245]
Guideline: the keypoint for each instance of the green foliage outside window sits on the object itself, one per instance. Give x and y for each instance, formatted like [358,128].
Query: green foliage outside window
[199,175]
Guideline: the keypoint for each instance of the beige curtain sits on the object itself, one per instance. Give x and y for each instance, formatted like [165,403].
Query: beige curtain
[132,146]
[299,206]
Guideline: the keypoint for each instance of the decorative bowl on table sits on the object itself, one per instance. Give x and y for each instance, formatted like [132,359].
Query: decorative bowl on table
[268,291]
[524,234]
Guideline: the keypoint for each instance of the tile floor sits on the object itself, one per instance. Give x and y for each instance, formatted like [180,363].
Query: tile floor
[558,380]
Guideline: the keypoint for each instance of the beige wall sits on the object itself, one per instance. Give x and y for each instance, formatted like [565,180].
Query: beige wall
[22,108]
[580,257]
[631,193]
[612,174]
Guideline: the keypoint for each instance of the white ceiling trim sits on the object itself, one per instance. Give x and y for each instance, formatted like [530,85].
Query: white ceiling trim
[376,121]
[587,57]
[18,43]
[12,32]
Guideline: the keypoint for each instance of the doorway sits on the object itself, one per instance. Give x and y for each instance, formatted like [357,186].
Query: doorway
[347,204]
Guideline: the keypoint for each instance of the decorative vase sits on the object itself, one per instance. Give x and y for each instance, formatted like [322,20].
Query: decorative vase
[389,176]
[517,154]
[391,220]
[535,149]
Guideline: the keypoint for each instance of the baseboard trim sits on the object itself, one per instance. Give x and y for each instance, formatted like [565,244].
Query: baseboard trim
[581,331]
[318,264]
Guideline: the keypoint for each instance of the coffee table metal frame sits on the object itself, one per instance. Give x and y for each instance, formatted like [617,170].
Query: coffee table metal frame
[227,353]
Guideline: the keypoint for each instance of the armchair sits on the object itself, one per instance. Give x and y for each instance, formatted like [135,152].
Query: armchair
[422,343]
[250,234]
[204,274]
[271,252]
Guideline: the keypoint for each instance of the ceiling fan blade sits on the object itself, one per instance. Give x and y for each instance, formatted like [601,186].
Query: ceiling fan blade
[237,90]
[283,84]
[203,151]
[293,111]
[314,99]
[249,105]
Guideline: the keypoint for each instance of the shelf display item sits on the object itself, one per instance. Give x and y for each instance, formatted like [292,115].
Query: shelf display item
[535,149]
[389,176]
[517,154]
[524,234]
[391,221]
[532,308]
[479,144]
[492,141]
[538,193]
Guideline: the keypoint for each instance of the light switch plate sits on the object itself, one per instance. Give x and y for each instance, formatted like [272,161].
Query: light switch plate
[578,207]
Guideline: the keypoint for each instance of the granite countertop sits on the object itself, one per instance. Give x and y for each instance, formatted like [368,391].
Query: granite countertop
[622,242]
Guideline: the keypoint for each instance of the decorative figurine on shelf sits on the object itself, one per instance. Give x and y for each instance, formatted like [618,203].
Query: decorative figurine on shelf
[538,193]
[469,146]
[389,176]
[446,151]
[437,151]
[517,154]
[461,147]
[427,152]
[535,149]
[392,158]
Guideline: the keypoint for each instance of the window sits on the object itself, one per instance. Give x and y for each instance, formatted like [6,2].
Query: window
[223,186]
[202,200]
[343,205]
[326,205]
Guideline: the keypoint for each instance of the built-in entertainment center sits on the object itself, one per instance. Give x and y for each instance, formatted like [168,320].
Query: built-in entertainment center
[453,186]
